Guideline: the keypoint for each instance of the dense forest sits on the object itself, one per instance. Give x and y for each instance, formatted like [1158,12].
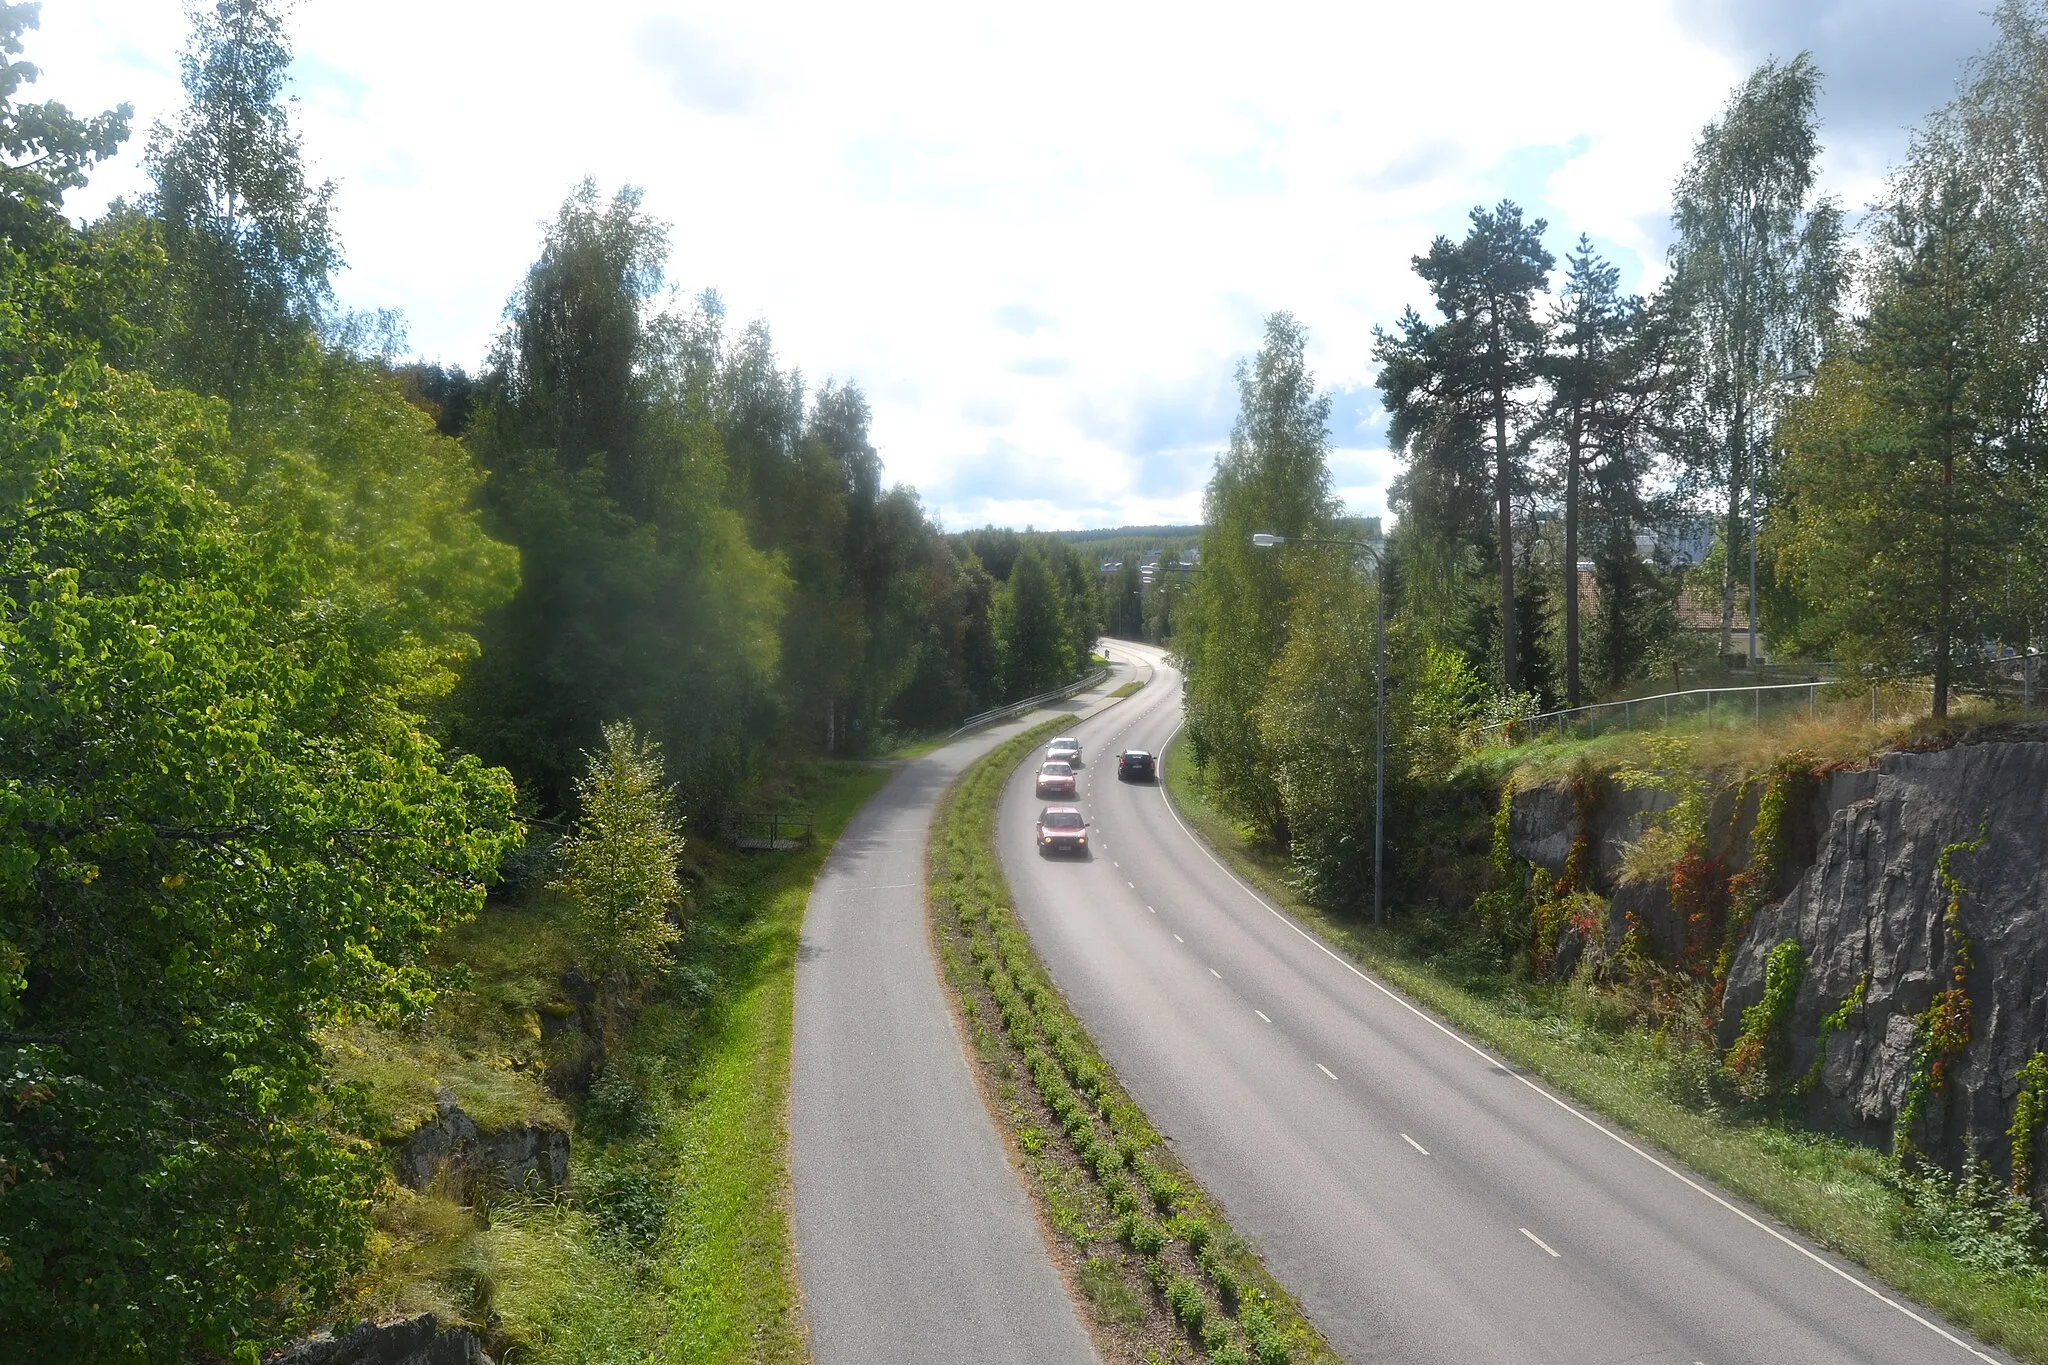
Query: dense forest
[298,642]
[1858,417]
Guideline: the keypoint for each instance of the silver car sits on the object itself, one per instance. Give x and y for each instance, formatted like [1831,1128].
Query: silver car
[1064,750]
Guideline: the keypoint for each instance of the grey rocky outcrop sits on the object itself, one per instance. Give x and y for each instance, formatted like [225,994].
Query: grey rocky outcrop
[1857,888]
[520,1158]
[411,1341]
[1868,901]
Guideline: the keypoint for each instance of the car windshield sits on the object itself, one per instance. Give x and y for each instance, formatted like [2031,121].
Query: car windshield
[1057,770]
[1063,819]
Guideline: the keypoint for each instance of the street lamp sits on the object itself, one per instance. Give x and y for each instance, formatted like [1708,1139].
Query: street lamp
[1266,540]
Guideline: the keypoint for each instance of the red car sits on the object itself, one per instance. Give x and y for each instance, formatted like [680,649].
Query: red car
[1056,779]
[1062,829]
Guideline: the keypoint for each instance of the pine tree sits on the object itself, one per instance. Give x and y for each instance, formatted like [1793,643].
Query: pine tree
[1460,392]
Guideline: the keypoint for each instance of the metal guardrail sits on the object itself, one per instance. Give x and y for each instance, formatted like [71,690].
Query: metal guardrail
[1751,699]
[1017,708]
[1659,706]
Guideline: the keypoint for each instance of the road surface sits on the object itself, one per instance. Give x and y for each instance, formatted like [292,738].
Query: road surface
[915,1241]
[1425,1202]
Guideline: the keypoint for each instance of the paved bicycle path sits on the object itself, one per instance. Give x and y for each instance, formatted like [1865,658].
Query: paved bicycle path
[914,1239]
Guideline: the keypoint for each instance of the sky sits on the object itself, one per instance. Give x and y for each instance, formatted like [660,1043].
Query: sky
[1040,238]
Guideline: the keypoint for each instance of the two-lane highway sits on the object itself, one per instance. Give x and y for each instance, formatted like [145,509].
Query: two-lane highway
[1424,1201]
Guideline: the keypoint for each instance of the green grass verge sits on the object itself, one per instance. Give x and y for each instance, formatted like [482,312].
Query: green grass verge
[673,1243]
[1160,1273]
[1128,688]
[1834,1192]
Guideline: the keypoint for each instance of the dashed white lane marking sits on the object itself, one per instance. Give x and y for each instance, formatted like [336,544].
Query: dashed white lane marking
[1150,910]
[1213,972]
[1132,885]
[1326,1071]
[1537,1240]
[1262,1015]
[1178,939]
[1416,1145]
[1577,1113]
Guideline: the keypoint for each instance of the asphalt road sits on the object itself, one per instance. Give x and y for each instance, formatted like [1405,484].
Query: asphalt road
[914,1240]
[1424,1201]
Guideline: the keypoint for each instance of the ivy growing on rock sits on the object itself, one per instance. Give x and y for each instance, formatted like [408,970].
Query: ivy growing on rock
[1944,1029]
[1758,1058]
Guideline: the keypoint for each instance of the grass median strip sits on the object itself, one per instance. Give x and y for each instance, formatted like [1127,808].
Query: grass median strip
[1160,1273]
[1838,1194]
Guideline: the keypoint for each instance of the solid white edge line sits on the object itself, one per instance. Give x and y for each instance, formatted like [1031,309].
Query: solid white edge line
[1571,1109]
[1539,1242]
[1326,1071]
[1416,1145]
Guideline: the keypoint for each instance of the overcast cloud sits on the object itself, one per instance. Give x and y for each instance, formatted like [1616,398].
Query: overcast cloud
[1038,237]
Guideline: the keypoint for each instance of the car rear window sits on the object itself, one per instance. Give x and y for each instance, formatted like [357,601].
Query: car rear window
[1063,819]
[1057,770]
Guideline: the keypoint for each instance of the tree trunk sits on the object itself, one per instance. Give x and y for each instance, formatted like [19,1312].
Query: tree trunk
[1571,567]
[1731,542]
[1944,604]
[1507,539]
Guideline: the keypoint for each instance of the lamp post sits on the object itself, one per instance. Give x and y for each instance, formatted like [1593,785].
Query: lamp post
[1267,540]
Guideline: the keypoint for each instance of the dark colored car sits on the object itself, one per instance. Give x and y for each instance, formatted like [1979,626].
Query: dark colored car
[1062,829]
[1133,765]
[1056,779]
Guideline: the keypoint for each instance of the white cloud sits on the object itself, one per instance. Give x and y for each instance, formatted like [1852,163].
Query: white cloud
[1039,237]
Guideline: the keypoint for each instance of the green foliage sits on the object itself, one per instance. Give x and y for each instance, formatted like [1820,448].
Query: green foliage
[248,240]
[1990,1230]
[2029,1113]
[1834,1022]
[1274,478]
[221,829]
[620,865]
[1458,395]
[1759,1055]
[1907,492]
[1944,1029]
[1033,637]
[1757,276]
[1318,728]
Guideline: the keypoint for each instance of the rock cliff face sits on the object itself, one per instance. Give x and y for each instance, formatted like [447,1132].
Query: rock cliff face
[512,1158]
[1870,903]
[413,1341]
[1857,888]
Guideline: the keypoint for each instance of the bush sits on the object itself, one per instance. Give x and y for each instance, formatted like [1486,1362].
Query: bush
[1984,1225]
[1140,1234]
[1184,1297]
[615,1108]
[631,1205]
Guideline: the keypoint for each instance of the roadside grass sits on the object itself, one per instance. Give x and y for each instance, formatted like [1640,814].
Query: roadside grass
[1144,1248]
[673,1241]
[1128,688]
[1836,1193]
